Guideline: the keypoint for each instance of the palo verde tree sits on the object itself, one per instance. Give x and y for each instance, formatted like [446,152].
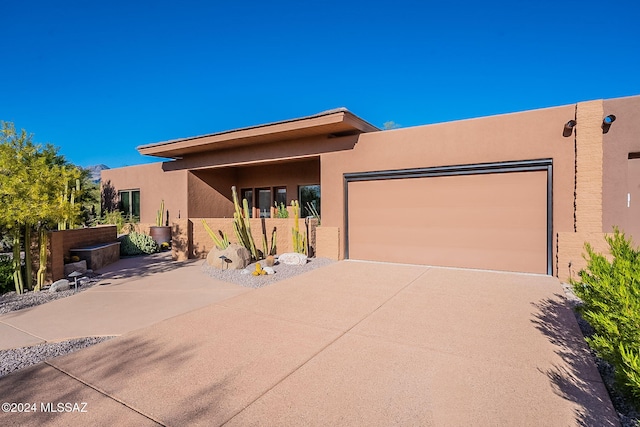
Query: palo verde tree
[32,182]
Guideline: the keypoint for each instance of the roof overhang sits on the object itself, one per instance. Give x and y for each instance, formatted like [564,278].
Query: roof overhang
[332,123]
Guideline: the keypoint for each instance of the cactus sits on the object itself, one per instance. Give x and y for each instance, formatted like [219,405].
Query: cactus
[221,242]
[272,251]
[241,225]
[281,211]
[299,240]
[68,202]
[41,274]
[160,215]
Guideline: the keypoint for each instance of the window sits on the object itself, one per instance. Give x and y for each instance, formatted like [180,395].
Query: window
[280,195]
[129,203]
[309,199]
[264,202]
[247,194]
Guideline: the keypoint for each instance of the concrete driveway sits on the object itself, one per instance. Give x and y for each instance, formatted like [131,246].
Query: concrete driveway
[353,343]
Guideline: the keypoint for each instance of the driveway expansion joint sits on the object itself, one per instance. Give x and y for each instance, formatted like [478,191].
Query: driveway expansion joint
[22,330]
[104,393]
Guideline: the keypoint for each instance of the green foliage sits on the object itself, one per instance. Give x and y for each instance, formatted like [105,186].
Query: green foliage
[32,182]
[610,291]
[281,211]
[221,242]
[117,218]
[6,274]
[299,239]
[242,226]
[137,244]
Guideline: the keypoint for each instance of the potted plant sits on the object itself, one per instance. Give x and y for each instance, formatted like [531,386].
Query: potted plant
[161,232]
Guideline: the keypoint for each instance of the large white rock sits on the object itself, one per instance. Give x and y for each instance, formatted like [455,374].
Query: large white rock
[269,270]
[236,257]
[292,258]
[59,286]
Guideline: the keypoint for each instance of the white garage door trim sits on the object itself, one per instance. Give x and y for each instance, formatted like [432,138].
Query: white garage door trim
[474,169]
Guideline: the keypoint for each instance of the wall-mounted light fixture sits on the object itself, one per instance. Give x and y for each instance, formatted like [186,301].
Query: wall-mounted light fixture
[568,128]
[607,121]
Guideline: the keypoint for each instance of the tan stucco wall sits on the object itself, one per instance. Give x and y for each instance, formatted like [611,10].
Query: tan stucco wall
[588,135]
[521,136]
[622,138]
[155,185]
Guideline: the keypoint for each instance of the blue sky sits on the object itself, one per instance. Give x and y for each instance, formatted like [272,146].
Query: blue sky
[98,78]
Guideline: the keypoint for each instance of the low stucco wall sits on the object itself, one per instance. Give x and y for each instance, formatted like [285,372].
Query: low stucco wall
[200,243]
[60,242]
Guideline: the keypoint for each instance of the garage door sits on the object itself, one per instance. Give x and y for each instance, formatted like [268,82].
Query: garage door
[486,216]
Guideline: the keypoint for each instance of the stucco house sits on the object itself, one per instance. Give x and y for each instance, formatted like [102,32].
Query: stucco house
[515,192]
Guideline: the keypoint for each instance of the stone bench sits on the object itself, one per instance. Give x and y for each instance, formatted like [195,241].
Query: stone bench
[97,256]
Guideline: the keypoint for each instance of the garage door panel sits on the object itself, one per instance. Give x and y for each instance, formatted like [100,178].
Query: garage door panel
[493,221]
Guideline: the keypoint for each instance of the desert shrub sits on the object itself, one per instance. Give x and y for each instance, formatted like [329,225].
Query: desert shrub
[6,274]
[137,244]
[610,291]
[281,211]
[123,224]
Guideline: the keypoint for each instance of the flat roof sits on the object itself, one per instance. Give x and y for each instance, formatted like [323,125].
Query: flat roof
[331,123]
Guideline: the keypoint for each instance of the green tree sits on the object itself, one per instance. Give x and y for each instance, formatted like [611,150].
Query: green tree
[32,182]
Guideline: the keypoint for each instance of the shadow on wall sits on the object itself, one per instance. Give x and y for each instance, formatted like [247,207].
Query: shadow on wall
[180,240]
[577,379]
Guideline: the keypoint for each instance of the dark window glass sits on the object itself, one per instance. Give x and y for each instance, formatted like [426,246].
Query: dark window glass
[264,202]
[281,195]
[309,199]
[130,203]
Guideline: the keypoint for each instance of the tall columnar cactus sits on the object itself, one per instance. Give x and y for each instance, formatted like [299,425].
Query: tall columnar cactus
[41,275]
[68,205]
[241,225]
[160,215]
[299,239]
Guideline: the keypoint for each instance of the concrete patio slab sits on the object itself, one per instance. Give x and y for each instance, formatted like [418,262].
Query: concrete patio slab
[120,302]
[46,387]
[353,343]
[210,364]
[353,291]
[10,337]
[510,330]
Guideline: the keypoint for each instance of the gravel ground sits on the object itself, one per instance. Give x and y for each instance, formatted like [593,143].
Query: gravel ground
[19,358]
[629,416]
[11,301]
[282,271]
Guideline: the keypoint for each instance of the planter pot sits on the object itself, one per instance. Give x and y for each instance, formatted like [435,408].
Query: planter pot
[160,234]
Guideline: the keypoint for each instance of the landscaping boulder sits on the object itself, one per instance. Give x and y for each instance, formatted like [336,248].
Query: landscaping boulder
[235,257]
[59,286]
[292,258]
[80,266]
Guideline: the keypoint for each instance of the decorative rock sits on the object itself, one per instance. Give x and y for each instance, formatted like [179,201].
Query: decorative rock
[269,261]
[292,258]
[59,286]
[80,266]
[234,257]
[269,270]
